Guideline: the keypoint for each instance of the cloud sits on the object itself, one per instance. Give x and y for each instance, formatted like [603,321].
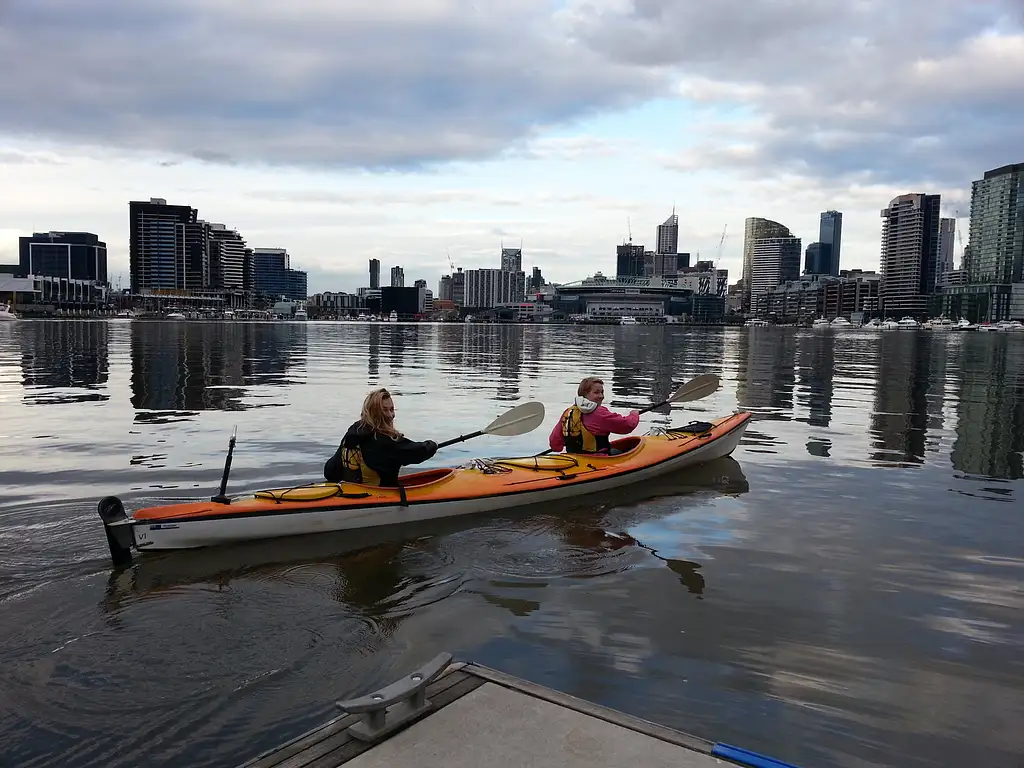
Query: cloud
[392,83]
[921,89]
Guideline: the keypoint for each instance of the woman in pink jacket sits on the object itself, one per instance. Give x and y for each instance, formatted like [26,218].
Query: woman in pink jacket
[586,424]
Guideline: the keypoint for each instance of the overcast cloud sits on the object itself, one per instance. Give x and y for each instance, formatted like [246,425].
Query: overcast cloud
[835,98]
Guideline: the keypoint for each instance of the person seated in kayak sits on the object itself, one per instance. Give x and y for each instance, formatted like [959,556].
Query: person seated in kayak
[586,424]
[373,451]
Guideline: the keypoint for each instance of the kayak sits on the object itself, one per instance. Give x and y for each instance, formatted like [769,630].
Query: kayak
[481,485]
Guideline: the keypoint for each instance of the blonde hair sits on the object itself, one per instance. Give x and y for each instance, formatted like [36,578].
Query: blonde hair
[373,414]
[587,384]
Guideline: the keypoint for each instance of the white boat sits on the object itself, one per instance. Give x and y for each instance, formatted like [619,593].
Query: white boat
[963,324]
[482,485]
[874,324]
[627,320]
[938,324]
[841,322]
[301,314]
[890,325]
[821,322]
[393,317]
[175,316]
[757,322]
[7,315]
[1010,326]
[908,324]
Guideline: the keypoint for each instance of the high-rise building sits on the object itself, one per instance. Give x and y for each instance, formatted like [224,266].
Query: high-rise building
[994,260]
[629,260]
[910,250]
[274,276]
[755,229]
[397,277]
[159,240]
[997,226]
[375,273]
[947,238]
[830,233]
[486,288]
[444,288]
[72,255]
[227,259]
[817,259]
[536,280]
[668,235]
[775,260]
[511,259]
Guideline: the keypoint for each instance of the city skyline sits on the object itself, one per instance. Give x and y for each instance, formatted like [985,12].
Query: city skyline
[604,140]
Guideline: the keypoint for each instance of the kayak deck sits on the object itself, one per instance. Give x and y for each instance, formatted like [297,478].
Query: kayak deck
[480,478]
[470,715]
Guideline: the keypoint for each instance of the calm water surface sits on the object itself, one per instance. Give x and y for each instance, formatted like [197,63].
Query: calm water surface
[845,591]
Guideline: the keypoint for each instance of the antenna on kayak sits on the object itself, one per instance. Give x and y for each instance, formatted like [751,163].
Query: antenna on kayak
[220,498]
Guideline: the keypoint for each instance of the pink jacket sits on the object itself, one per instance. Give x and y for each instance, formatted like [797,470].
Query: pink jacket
[599,422]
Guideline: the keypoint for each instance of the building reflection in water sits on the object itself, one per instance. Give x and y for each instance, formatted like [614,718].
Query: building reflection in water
[492,352]
[815,369]
[900,418]
[63,355]
[643,367]
[373,354]
[990,408]
[208,366]
[766,376]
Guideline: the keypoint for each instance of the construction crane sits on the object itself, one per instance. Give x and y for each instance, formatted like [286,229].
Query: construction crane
[718,258]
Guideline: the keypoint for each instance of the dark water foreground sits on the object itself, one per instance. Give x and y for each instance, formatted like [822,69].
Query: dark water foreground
[846,591]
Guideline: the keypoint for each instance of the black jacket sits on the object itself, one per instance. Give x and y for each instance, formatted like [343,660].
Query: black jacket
[383,454]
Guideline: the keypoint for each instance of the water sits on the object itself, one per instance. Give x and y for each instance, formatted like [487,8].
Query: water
[844,591]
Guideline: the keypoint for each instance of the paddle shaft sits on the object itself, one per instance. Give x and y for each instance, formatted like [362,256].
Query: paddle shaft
[460,438]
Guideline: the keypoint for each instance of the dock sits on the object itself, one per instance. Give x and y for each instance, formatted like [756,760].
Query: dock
[464,715]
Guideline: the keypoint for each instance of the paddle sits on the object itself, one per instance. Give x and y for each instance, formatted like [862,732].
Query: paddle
[516,421]
[696,388]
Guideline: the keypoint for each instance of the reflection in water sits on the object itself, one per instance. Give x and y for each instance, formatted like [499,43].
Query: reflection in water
[60,355]
[766,373]
[373,354]
[815,613]
[198,367]
[899,422]
[990,409]
[816,366]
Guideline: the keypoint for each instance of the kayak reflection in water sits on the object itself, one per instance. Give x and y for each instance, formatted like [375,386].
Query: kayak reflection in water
[585,425]
[373,451]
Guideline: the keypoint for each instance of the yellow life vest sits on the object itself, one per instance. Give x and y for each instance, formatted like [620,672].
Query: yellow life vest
[356,470]
[578,439]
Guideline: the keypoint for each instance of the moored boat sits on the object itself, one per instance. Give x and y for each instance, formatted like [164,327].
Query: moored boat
[482,485]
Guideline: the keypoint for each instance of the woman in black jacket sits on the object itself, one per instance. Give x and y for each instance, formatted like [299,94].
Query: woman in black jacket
[373,451]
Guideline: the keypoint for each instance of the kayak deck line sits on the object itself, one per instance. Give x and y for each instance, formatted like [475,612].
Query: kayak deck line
[464,715]
[479,486]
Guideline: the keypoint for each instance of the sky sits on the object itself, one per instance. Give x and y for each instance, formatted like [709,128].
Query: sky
[430,132]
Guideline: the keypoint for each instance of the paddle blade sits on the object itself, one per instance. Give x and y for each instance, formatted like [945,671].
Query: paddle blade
[696,388]
[517,421]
